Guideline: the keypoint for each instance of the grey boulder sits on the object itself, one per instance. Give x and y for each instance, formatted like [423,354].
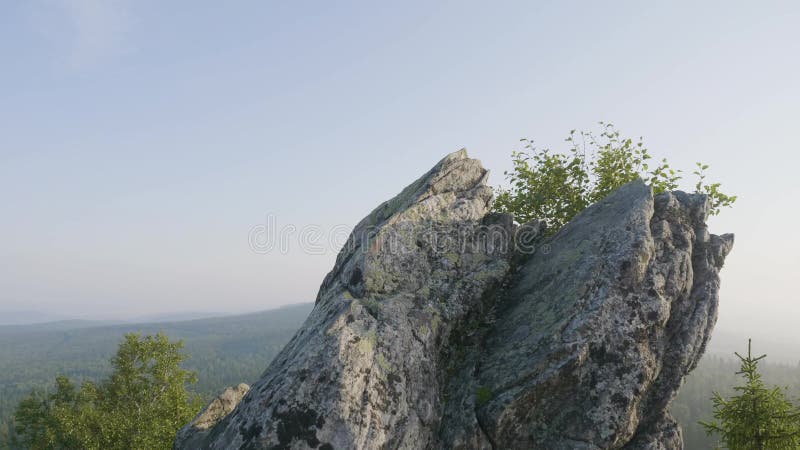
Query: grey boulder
[443,325]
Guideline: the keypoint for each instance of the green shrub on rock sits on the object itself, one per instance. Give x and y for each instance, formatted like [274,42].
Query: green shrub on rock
[556,186]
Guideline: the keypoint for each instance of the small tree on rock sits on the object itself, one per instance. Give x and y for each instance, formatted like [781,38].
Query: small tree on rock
[555,186]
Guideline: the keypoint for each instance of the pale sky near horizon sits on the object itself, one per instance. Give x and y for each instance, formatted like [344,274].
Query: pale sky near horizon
[141,141]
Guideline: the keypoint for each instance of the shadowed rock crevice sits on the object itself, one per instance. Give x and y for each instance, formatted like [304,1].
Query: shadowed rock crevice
[436,330]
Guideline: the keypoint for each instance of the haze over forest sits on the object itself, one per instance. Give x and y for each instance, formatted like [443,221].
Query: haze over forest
[189,167]
[141,145]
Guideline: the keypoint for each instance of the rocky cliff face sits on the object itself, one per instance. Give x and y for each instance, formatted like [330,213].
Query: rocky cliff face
[445,326]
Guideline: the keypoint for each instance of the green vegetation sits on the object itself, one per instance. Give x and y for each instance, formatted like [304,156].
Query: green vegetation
[717,373]
[757,418]
[372,306]
[141,405]
[556,186]
[482,396]
[223,351]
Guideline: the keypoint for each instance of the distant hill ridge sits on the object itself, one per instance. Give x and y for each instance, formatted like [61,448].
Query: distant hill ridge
[223,350]
[37,353]
[24,318]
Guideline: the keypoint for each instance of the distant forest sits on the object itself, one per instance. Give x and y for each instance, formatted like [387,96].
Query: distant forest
[718,373]
[223,351]
[228,350]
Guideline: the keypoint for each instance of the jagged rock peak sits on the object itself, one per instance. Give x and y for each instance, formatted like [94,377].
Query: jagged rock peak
[435,329]
[452,194]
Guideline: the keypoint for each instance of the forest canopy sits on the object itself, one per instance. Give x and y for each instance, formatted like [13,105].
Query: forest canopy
[141,405]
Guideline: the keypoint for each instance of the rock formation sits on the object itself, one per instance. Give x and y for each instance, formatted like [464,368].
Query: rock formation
[443,325]
[216,410]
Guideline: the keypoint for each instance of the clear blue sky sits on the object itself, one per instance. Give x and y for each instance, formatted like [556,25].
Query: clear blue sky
[140,141]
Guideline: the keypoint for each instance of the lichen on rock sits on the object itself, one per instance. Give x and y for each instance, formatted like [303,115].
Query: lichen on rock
[437,329]
[222,405]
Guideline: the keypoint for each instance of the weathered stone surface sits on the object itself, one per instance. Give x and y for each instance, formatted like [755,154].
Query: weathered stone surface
[597,330]
[433,330]
[216,410]
[362,371]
